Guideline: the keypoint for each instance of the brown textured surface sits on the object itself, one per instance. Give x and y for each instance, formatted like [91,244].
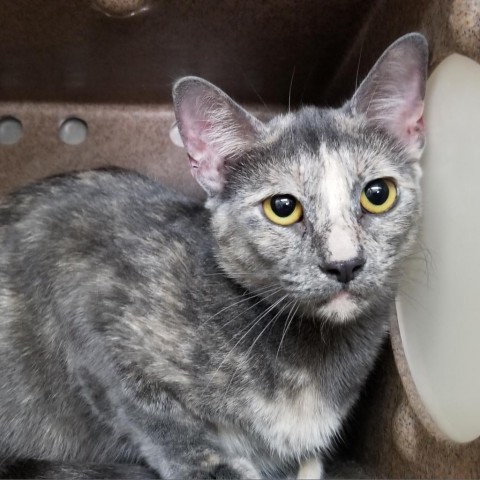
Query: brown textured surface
[410,393]
[71,51]
[112,63]
[394,443]
[121,8]
[464,22]
[56,50]
[449,25]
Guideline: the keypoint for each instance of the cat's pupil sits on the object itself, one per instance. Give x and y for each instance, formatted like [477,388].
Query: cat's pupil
[377,192]
[283,205]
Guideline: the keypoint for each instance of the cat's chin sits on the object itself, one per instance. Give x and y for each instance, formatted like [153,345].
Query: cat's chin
[342,307]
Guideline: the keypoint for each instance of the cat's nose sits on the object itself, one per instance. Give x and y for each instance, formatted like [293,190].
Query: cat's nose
[344,271]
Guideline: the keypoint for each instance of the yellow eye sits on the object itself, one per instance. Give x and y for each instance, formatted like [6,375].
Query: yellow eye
[283,209]
[378,196]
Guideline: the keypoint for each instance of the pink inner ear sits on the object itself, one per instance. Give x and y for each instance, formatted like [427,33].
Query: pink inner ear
[193,163]
[213,128]
[413,128]
[205,163]
[193,136]
[391,96]
[416,128]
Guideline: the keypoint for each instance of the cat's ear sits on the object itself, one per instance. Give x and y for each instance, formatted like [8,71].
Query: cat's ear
[392,94]
[214,129]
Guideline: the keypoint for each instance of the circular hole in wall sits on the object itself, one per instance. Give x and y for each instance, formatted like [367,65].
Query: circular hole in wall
[73,131]
[11,130]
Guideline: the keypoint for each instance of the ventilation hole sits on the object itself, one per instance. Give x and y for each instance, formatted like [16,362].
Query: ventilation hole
[11,130]
[73,131]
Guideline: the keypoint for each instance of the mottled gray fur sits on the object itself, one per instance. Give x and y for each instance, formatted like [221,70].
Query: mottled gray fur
[140,327]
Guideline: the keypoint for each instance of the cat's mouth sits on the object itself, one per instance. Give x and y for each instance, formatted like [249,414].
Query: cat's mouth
[342,305]
[332,301]
[332,294]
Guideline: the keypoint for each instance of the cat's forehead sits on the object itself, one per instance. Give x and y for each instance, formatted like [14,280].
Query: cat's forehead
[315,149]
[310,127]
[321,144]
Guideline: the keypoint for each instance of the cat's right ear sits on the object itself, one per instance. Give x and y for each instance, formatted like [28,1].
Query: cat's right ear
[391,96]
[214,129]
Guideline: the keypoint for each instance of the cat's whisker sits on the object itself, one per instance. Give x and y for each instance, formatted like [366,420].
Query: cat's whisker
[262,315]
[255,91]
[358,64]
[249,351]
[258,291]
[424,254]
[261,292]
[251,327]
[276,316]
[423,279]
[271,294]
[286,327]
[413,280]
[413,301]
[290,89]
[223,274]
[323,336]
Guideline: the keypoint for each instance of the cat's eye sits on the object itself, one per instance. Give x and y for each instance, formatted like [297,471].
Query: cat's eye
[283,209]
[378,196]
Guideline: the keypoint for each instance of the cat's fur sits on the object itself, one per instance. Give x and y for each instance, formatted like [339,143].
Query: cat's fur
[139,326]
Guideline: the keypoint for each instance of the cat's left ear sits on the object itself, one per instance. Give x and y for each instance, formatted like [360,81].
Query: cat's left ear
[214,129]
[392,94]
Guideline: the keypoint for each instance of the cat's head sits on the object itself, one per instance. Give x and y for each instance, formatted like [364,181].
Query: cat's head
[321,204]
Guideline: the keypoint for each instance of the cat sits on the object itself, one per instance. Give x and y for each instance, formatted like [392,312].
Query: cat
[145,335]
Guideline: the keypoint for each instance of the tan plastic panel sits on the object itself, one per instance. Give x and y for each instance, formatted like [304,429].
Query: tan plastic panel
[127,136]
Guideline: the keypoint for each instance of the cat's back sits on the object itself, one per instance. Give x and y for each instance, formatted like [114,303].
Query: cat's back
[114,198]
[74,249]
[100,212]
[94,227]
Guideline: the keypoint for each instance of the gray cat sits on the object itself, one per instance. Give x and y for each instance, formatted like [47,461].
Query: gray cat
[143,334]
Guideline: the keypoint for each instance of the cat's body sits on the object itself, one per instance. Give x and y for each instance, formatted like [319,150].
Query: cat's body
[178,324]
[137,325]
